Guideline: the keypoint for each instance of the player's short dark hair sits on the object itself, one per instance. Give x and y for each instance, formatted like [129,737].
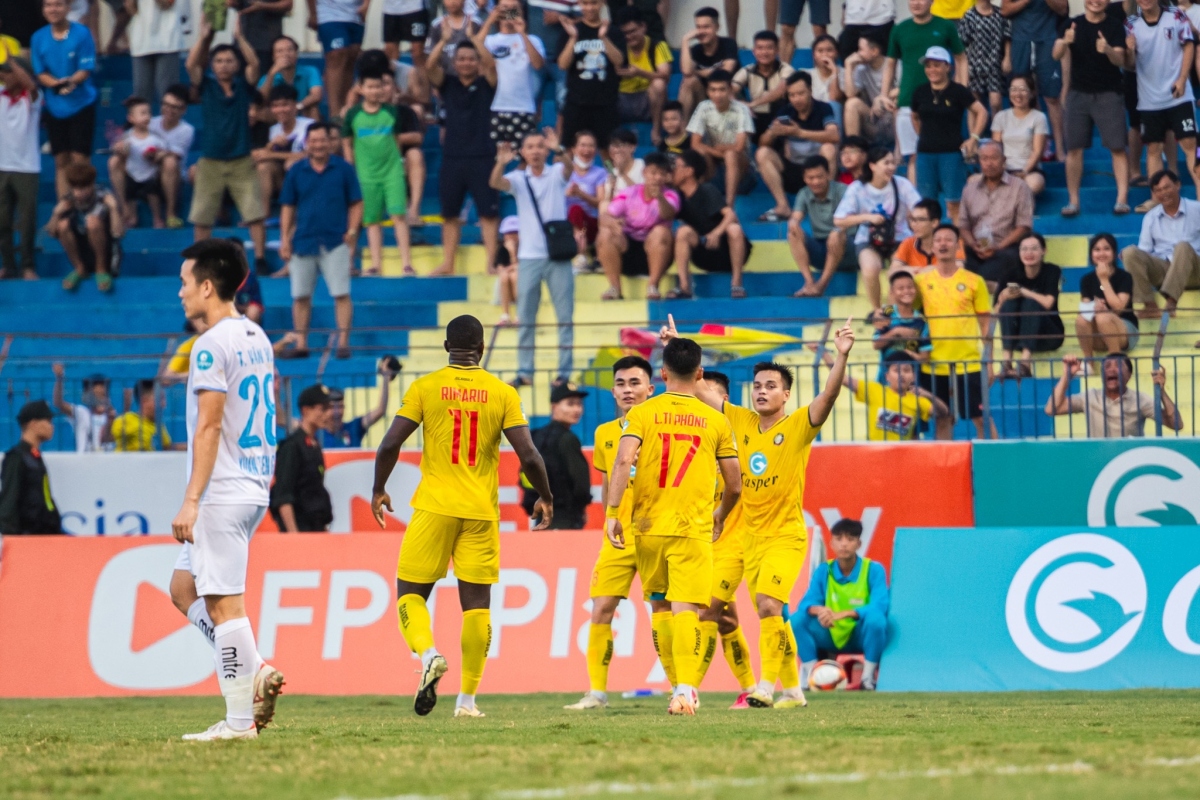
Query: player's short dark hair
[785,372]
[814,162]
[1157,177]
[696,162]
[800,76]
[135,100]
[946,226]
[633,362]
[682,357]
[221,261]
[180,92]
[628,14]
[932,206]
[657,160]
[283,91]
[673,105]
[464,333]
[625,136]
[372,64]
[720,76]
[717,377]
[898,274]
[767,36]
[847,527]
[708,11]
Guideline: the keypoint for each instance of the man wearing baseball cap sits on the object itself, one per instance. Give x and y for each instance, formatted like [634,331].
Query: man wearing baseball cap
[299,501]
[25,502]
[570,476]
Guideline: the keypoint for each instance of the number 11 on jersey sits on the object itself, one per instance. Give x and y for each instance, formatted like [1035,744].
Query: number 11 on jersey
[472,420]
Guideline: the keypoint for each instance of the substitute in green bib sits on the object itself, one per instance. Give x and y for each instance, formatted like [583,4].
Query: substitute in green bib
[845,609]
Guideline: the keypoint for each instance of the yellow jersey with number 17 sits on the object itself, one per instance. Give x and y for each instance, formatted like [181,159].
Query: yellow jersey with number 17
[773,466]
[463,410]
[682,440]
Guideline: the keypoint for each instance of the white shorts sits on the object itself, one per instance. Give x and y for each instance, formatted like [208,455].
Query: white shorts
[333,264]
[906,134]
[217,557]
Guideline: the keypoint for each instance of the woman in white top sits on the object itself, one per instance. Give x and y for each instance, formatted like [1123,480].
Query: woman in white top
[1022,131]
[826,79]
[883,196]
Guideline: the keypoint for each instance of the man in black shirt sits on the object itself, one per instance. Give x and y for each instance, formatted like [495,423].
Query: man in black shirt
[702,52]
[590,57]
[1096,97]
[470,151]
[570,476]
[709,234]
[299,502]
[25,502]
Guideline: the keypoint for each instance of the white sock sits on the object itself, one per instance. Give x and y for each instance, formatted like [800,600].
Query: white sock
[805,671]
[685,690]
[868,674]
[603,696]
[427,656]
[197,614]
[237,660]
[766,687]
[465,701]
[794,692]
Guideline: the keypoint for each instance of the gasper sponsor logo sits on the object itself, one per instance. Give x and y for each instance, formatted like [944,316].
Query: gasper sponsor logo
[1076,602]
[1146,486]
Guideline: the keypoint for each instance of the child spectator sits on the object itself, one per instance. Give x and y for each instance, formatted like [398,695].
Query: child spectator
[177,135]
[285,145]
[87,222]
[506,269]
[641,242]
[916,252]
[853,159]
[862,83]
[371,142]
[764,82]
[133,166]
[987,35]
[585,189]
[675,138]
[1022,132]
[805,128]
[92,416]
[721,128]
[894,403]
[591,56]
[899,327]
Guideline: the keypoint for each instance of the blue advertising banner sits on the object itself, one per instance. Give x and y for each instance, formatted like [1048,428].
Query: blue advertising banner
[1097,482]
[1043,608]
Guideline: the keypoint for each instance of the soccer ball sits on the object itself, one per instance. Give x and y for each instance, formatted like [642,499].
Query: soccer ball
[827,676]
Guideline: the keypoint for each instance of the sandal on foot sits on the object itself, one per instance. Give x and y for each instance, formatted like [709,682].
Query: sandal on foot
[737,292]
[653,294]
[1121,208]
[72,281]
[104,282]
[770,215]
[611,294]
[408,271]
[679,294]
[1070,210]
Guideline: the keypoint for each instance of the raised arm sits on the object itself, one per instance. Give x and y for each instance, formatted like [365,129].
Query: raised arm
[821,406]
[247,51]
[198,55]
[1171,417]
[568,52]
[504,155]
[535,470]
[385,462]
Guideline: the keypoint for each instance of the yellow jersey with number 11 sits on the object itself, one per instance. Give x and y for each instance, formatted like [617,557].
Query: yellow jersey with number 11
[682,439]
[463,410]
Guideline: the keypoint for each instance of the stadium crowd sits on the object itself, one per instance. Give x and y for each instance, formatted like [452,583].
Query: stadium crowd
[897,122]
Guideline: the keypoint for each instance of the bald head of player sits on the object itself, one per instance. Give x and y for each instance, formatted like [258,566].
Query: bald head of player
[772,387]
[464,340]
[681,365]
[211,273]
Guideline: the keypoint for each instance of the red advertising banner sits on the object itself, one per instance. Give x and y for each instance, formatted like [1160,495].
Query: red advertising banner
[91,616]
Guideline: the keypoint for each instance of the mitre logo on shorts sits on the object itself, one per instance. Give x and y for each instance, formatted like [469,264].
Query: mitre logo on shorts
[136,639]
[204,360]
[1146,486]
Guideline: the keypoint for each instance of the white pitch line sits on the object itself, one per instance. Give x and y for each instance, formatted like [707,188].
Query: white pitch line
[619,788]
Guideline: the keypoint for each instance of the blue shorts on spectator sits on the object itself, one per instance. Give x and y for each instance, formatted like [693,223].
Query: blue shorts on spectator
[337,35]
[941,174]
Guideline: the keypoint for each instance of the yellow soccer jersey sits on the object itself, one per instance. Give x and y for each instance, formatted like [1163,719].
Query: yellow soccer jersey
[773,466]
[891,417]
[464,410]
[604,453]
[950,306]
[682,440]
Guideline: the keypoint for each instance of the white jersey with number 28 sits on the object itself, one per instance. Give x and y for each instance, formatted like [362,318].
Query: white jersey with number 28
[235,357]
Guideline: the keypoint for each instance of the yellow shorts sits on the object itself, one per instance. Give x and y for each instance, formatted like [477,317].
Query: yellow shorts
[728,565]
[433,540]
[774,564]
[614,570]
[681,568]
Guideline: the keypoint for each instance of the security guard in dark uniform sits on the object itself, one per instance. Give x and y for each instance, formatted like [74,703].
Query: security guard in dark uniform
[25,502]
[299,501]
[570,475]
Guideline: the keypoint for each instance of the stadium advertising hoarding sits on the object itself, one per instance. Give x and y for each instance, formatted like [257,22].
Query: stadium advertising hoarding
[1044,608]
[95,616]
[1100,483]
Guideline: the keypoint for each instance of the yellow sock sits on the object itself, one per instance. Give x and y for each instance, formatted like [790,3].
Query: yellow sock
[708,643]
[772,643]
[599,654]
[663,625]
[789,673]
[688,648]
[737,653]
[415,624]
[476,639]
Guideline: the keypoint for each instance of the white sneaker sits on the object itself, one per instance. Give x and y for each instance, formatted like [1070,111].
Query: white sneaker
[268,685]
[465,711]
[587,702]
[221,731]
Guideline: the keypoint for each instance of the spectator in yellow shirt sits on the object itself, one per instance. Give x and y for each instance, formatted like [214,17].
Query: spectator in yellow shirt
[137,431]
[893,408]
[644,76]
[176,368]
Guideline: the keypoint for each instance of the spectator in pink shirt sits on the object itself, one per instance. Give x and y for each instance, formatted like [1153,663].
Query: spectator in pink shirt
[638,238]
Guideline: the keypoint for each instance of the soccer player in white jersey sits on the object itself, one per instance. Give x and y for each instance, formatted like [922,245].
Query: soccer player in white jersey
[231,458]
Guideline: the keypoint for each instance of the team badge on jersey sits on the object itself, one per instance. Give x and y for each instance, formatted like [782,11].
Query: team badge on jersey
[778,438]
[204,360]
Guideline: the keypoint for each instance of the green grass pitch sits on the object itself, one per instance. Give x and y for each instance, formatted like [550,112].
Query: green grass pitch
[1053,745]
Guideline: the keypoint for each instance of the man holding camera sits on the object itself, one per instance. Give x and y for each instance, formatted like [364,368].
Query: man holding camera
[350,433]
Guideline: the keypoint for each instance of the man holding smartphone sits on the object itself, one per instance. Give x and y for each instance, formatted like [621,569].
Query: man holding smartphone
[807,127]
